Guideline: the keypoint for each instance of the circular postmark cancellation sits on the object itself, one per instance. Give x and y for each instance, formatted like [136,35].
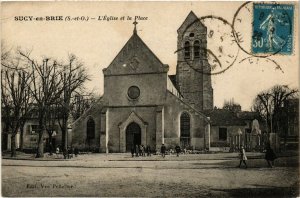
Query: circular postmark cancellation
[271,27]
[221,52]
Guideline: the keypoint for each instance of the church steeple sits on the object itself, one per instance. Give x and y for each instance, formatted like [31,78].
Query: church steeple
[135,23]
[192,66]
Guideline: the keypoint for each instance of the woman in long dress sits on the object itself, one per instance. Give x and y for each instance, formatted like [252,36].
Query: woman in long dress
[243,157]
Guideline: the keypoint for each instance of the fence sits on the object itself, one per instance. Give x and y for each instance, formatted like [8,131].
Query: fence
[254,143]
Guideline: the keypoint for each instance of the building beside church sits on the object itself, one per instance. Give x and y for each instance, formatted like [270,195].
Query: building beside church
[143,105]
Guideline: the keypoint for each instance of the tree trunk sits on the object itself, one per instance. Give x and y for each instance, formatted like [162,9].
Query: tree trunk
[40,149]
[63,138]
[13,145]
[50,143]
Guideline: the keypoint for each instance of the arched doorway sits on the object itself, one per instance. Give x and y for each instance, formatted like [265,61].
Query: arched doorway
[133,135]
[185,127]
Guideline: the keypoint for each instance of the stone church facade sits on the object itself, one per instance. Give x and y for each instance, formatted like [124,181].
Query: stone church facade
[142,104]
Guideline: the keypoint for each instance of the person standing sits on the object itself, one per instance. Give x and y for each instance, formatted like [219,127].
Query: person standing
[148,149]
[270,156]
[243,157]
[76,151]
[143,150]
[65,153]
[177,149]
[57,151]
[140,150]
[163,150]
[137,150]
[132,151]
[184,150]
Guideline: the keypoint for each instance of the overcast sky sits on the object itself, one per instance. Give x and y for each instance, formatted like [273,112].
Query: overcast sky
[97,42]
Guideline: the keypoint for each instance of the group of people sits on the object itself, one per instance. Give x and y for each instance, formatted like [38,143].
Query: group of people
[270,156]
[163,150]
[68,153]
[140,150]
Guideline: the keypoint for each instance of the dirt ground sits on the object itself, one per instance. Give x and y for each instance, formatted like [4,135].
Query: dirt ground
[214,175]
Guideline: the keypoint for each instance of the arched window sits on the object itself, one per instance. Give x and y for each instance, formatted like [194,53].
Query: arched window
[90,129]
[185,129]
[196,49]
[187,50]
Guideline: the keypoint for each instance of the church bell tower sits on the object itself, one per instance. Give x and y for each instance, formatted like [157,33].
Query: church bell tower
[193,72]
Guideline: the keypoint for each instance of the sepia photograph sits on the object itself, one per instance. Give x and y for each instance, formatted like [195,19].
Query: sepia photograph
[150,99]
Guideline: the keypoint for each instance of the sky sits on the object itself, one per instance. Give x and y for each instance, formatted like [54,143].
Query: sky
[96,42]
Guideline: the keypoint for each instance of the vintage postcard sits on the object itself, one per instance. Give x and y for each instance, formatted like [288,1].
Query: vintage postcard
[150,99]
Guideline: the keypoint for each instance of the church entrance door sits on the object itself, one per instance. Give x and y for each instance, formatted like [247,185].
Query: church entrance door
[133,136]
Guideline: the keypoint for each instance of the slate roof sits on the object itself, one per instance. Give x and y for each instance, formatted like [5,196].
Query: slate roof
[189,20]
[134,58]
[223,117]
[247,115]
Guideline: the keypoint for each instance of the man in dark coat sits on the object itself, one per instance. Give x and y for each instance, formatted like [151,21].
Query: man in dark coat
[177,149]
[132,151]
[270,156]
[148,149]
[163,150]
[76,152]
[137,149]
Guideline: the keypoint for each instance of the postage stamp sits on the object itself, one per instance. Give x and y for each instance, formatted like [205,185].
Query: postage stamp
[272,29]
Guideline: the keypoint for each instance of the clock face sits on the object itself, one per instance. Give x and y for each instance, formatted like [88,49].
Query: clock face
[133,92]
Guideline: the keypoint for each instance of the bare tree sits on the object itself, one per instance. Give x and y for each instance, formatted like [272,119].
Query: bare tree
[269,102]
[80,103]
[232,105]
[46,89]
[73,76]
[51,116]
[15,95]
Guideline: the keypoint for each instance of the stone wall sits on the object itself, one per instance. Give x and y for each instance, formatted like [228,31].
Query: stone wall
[152,89]
[117,116]
[79,129]
[172,111]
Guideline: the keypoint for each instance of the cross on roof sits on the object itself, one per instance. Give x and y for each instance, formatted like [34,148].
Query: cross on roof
[134,23]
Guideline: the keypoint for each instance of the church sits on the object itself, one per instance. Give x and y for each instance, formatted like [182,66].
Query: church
[143,105]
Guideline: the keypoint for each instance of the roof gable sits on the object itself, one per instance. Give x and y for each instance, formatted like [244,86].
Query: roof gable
[190,20]
[135,58]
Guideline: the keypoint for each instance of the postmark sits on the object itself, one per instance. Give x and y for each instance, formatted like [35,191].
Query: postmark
[222,51]
[244,34]
[272,29]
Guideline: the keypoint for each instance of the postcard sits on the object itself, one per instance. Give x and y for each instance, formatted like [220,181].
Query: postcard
[150,99]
